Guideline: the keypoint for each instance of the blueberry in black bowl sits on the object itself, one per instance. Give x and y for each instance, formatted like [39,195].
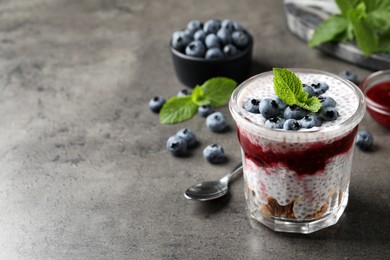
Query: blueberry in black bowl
[215,48]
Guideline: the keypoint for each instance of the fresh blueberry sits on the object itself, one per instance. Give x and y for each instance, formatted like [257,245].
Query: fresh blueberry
[349,75]
[211,26]
[214,153]
[156,103]
[212,41]
[230,50]
[319,88]
[216,122]
[180,40]
[240,39]
[280,102]
[294,112]
[228,25]
[224,36]
[195,49]
[252,105]
[327,101]
[291,124]
[269,108]
[199,35]
[309,90]
[184,92]
[364,140]
[275,122]
[205,110]
[214,53]
[188,136]
[189,33]
[177,145]
[194,25]
[310,121]
[328,113]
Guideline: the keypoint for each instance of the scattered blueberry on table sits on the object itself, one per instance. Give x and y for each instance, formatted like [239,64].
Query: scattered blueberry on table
[216,122]
[364,140]
[156,103]
[214,153]
[177,145]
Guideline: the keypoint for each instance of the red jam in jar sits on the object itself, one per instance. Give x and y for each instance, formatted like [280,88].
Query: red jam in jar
[378,103]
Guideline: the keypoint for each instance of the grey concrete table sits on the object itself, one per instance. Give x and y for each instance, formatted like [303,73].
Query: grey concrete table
[83,166]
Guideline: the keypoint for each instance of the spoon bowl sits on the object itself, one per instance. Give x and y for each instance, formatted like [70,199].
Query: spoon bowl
[210,190]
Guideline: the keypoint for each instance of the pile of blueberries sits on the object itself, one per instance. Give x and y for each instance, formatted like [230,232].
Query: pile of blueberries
[185,139]
[280,116]
[215,39]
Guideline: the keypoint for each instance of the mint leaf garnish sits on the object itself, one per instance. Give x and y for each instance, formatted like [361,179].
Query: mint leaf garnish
[289,88]
[215,92]
[198,97]
[218,90]
[177,109]
[365,21]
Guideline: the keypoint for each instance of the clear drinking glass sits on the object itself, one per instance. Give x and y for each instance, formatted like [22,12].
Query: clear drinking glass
[297,181]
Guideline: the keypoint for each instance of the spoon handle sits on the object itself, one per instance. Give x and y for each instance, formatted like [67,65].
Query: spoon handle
[235,170]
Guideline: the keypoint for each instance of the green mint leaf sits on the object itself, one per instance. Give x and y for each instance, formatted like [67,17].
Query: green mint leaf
[313,104]
[379,20]
[329,30]
[218,90]
[373,5]
[287,85]
[366,38]
[346,5]
[289,88]
[177,109]
[198,97]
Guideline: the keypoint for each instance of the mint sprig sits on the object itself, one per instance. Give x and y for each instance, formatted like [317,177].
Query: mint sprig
[365,21]
[215,92]
[289,88]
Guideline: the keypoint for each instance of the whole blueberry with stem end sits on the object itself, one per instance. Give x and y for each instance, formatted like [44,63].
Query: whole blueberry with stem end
[349,75]
[252,105]
[310,121]
[327,101]
[364,140]
[177,145]
[180,40]
[188,136]
[195,49]
[319,88]
[216,122]
[328,113]
[268,108]
[156,103]
[240,39]
[291,124]
[214,153]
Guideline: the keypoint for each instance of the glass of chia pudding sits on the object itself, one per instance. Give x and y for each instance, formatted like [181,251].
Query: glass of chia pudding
[297,178]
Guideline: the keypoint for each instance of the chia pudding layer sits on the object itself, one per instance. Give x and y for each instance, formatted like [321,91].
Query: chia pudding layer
[303,175]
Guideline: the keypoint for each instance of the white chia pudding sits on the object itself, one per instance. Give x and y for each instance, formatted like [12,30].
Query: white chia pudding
[301,175]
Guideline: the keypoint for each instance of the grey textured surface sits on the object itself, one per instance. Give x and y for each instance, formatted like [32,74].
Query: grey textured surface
[84,170]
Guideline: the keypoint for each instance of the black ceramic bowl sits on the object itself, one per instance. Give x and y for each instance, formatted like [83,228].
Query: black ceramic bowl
[192,71]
